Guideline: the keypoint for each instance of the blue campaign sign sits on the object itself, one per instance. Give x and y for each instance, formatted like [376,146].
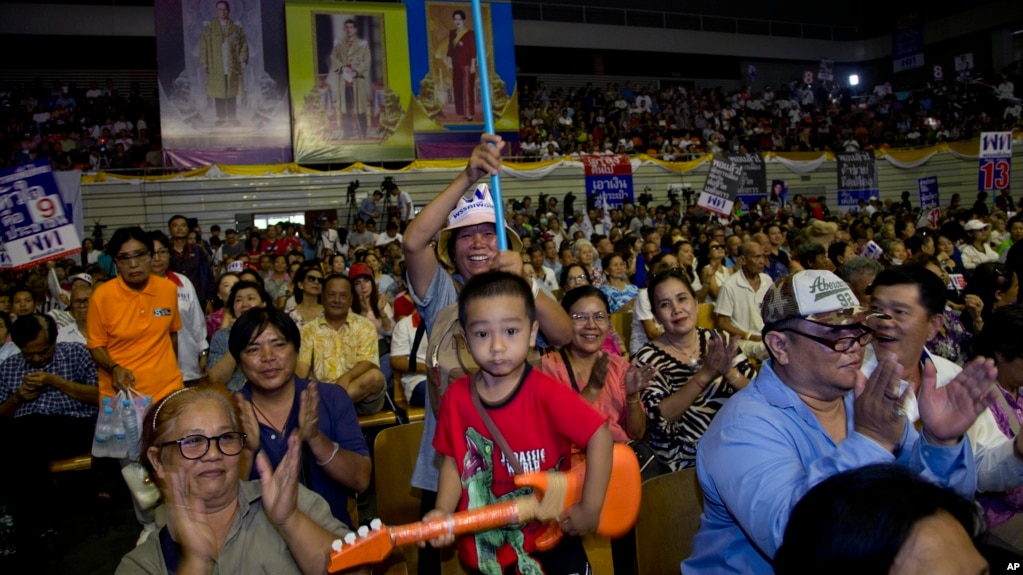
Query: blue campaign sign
[616,189]
[33,223]
[857,177]
[928,192]
[994,174]
[848,198]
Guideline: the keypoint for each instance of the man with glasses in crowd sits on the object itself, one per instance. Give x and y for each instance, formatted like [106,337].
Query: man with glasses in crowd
[810,414]
[81,292]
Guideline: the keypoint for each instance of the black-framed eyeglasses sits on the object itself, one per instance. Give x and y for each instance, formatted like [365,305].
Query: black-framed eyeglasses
[314,279]
[842,344]
[162,253]
[196,446]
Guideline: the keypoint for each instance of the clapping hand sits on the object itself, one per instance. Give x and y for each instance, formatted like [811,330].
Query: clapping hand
[309,413]
[718,358]
[948,411]
[250,425]
[280,486]
[187,521]
[879,404]
[638,378]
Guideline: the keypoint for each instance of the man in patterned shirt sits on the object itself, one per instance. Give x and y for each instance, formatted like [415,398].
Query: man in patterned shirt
[341,347]
[48,397]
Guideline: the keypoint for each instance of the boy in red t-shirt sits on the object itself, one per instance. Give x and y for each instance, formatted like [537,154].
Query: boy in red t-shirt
[540,419]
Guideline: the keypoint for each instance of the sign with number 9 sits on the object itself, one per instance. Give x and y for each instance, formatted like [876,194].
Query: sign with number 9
[46,208]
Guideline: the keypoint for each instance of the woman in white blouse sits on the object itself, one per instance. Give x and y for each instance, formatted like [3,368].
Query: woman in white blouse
[978,250]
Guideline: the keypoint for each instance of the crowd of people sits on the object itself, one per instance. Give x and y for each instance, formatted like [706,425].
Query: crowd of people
[770,350]
[94,127]
[676,123]
[98,128]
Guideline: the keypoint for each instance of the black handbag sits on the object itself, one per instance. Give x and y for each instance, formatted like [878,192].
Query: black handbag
[650,465]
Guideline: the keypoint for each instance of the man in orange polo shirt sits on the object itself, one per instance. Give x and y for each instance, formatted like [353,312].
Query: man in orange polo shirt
[133,322]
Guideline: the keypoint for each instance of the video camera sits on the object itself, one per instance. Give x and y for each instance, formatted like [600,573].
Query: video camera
[97,230]
[646,197]
[352,187]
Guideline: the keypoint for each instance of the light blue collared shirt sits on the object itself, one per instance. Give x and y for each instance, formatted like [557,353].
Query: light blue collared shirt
[765,449]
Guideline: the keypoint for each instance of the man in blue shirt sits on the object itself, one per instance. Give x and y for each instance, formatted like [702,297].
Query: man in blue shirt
[368,207]
[810,414]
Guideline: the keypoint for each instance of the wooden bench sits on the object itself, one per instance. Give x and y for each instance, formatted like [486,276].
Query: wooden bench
[414,413]
[81,462]
[383,417]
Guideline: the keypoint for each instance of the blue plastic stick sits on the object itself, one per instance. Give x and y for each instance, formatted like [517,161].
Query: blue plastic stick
[488,118]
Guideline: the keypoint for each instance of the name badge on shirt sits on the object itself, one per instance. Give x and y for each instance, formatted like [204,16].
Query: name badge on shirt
[162,312]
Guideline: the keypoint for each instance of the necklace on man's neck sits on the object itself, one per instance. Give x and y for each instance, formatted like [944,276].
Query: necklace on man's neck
[268,422]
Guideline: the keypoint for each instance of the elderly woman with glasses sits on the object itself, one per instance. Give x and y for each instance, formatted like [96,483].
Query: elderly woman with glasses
[697,371]
[194,446]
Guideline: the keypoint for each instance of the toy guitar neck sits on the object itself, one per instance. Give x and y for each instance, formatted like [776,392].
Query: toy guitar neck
[375,544]
[559,491]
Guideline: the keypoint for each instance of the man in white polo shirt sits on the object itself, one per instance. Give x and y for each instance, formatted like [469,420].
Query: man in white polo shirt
[738,305]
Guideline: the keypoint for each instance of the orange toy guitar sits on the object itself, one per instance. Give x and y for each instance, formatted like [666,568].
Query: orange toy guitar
[556,491]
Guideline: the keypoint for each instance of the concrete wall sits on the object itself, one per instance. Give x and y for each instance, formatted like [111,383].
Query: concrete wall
[218,201]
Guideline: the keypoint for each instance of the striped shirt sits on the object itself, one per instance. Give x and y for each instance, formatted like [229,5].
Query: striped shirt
[71,361]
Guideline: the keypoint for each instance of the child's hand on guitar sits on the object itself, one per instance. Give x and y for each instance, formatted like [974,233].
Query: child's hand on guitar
[444,540]
[579,520]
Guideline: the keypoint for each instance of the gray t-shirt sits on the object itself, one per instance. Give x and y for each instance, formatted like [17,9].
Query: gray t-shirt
[440,294]
[253,544]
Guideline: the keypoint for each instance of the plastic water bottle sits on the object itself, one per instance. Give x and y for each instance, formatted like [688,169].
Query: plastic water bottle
[101,446]
[7,546]
[119,445]
[131,428]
